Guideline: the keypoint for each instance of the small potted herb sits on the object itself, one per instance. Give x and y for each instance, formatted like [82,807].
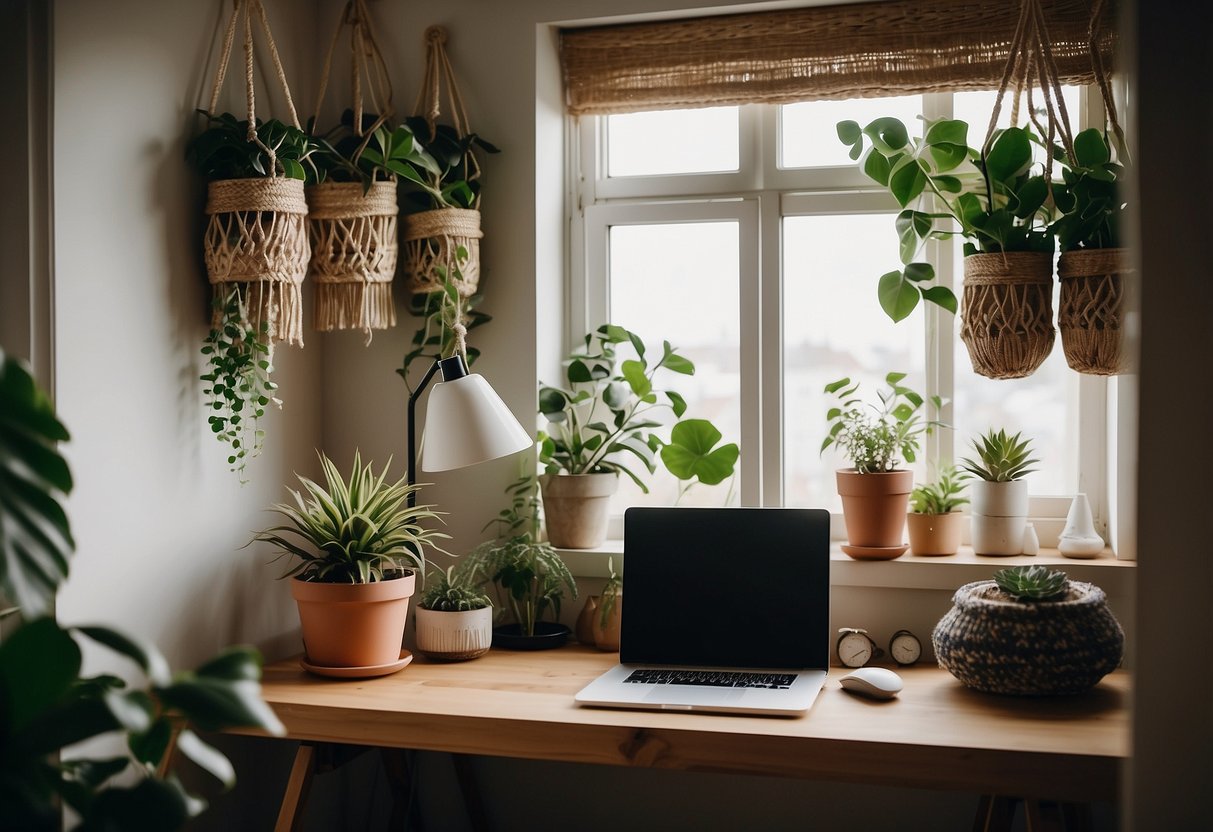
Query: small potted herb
[608,616]
[875,439]
[1029,632]
[934,520]
[454,620]
[358,549]
[999,492]
[603,423]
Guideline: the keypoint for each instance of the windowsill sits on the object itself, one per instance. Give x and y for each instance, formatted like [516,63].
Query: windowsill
[908,571]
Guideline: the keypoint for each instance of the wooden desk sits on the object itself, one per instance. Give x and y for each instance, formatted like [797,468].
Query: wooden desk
[937,734]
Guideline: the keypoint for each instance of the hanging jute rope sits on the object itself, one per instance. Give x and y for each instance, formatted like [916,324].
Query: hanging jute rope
[1092,287]
[352,232]
[1007,304]
[434,240]
[256,236]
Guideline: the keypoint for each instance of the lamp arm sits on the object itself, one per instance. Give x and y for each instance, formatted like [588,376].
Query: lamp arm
[412,447]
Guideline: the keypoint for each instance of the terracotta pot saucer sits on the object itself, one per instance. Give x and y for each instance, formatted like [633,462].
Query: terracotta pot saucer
[875,552]
[359,672]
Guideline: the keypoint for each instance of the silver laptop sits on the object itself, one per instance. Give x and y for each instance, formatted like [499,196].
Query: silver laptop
[725,609]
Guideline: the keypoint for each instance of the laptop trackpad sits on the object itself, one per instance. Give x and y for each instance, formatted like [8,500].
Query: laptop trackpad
[690,695]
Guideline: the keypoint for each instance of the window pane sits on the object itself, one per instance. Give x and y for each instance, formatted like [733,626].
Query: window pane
[808,137]
[1041,406]
[833,326]
[975,109]
[679,283]
[673,141]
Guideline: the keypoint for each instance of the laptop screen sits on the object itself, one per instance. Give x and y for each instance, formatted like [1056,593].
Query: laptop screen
[726,587]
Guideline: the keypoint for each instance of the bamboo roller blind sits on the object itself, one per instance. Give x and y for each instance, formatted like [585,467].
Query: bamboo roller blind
[862,50]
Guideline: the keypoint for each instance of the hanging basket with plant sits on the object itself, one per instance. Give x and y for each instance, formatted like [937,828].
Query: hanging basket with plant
[256,247]
[353,207]
[446,219]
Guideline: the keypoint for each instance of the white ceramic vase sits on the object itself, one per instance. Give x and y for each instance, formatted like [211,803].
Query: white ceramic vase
[1000,516]
[1079,539]
[454,636]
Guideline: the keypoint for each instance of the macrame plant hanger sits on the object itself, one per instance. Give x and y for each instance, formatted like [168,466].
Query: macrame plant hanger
[435,240]
[1007,312]
[352,231]
[256,239]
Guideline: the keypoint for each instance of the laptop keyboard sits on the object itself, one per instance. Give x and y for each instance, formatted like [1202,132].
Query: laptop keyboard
[713,678]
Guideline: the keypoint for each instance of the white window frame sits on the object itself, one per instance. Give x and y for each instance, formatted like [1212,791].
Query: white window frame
[758,196]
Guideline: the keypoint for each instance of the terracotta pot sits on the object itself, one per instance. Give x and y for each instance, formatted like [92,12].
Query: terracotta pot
[449,636]
[353,625]
[932,535]
[993,642]
[874,506]
[606,636]
[584,629]
[576,508]
[1000,516]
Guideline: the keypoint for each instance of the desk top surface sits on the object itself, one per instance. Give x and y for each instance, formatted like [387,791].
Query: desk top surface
[935,734]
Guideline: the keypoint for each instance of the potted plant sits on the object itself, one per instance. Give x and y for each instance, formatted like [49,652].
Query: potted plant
[352,219]
[529,577]
[934,520]
[875,439]
[1089,314]
[358,548]
[999,492]
[454,620]
[602,423]
[50,706]
[608,616]
[1029,632]
[997,204]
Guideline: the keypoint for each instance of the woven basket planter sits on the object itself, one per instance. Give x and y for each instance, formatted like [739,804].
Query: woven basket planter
[995,643]
[1090,309]
[432,240]
[354,253]
[1007,315]
[257,235]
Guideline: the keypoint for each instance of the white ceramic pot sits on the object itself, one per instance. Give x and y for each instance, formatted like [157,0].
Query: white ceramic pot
[576,508]
[454,636]
[1000,516]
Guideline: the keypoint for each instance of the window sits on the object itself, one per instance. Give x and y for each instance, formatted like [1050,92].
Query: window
[745,236]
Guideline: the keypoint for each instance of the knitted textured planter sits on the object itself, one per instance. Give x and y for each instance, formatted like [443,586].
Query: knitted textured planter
[1089,310]
[354,253]
[432,240]
[995,643]
[1007,316]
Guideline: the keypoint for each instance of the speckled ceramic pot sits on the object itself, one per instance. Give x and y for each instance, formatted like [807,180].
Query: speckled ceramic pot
[996,643]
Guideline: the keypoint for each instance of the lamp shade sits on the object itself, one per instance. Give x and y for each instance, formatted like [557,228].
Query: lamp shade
[466,422]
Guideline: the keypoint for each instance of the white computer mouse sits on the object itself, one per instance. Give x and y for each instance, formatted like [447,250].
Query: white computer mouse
[876,682]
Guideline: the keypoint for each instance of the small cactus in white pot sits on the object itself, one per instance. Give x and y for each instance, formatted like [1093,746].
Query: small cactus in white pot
[454,620]
[999,492]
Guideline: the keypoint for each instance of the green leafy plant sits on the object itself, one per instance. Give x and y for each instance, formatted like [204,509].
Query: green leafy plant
[455,183]
[994,201]
[941,496]
[583,439]
[873,437]
[380,152]
[46,706]
[451,594]
[238,373]
[439,311]
[529,576]
[1000,458]
[1089,198]
[356,530]
[223,150]
[611,591]
[1032,583]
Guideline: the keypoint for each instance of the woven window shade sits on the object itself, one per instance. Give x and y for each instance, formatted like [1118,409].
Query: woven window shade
[863,50]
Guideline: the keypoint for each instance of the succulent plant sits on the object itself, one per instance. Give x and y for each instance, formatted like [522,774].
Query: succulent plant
[1032,583]
[451,594]
[1002,458]
[939,497]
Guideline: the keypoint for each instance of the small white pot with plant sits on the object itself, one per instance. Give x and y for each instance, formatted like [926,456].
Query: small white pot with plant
[999,492]
[454,620]
[935,521]
[605,422]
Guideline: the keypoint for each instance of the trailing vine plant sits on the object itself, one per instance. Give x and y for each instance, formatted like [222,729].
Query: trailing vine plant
[238,374]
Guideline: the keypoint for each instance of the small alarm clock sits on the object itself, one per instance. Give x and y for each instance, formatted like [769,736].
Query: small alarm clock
[905,648]
[856,648]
